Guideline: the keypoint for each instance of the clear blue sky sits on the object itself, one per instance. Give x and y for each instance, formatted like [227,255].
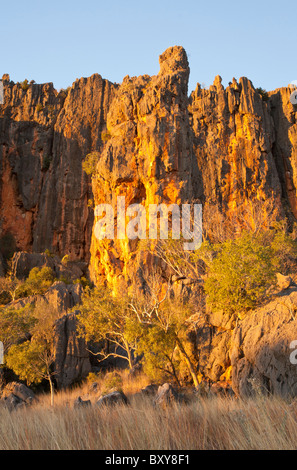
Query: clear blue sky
[59,41]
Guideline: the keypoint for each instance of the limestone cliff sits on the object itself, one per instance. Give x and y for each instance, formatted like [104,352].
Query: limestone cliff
[228,148]
[44,136]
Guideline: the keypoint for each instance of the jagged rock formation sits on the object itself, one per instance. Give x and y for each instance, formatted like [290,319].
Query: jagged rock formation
[72,362]
[218,147]
[148,157]
[232,149]
[223,147]
[261,351]
[44,136]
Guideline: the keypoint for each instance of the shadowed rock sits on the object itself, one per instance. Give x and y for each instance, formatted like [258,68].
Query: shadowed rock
[166,395]
[113,398]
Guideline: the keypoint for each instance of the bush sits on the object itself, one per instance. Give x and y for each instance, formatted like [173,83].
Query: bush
[15,325]
[112,382]
[244,269]
[105,136]
[263,93]
[38,281]
[25,85]
[90,163]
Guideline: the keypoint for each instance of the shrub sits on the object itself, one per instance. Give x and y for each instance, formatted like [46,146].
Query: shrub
[243,270]
[38,281]
[25,85]
[90,163]
[112,382]
[48,253]
[263,93]
[84,282]
[15,324]
[105,136]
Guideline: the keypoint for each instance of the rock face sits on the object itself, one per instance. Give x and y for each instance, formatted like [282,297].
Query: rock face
[217,147]
[44,136]
[148,157]
[234,141]
[262,357]
[22,263]
[72,361]
[233,149]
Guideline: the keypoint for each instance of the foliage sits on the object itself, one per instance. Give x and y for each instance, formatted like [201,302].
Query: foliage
[244,269]
[105,136]
[90,163]
[26,361]
[25,85]
[263,93]
[39,280]
[32,360]
[156,347]
[104,318]
[10,289]
[48,253]
[160,320]
[112,381]
[15,324]
[84,282]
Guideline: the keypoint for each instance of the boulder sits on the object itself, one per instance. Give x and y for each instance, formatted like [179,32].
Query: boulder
[166,395]
[113,398]
[262,349]
[19,390]
[284,282]
[80,403]
[150,390]
[12,402]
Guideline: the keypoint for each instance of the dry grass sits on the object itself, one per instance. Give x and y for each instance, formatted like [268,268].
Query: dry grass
[203,423]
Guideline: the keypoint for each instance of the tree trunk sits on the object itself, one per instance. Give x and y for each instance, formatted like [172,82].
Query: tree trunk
[129,354]
[188,362]
[52,390]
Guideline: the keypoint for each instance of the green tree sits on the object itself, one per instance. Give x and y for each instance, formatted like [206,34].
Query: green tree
[106,319]
[243,270]
[33,360]
[161,321]
[15,325]
[38,281]
[10,289]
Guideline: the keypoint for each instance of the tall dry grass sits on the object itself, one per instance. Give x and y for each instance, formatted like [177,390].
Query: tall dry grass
[203,423]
